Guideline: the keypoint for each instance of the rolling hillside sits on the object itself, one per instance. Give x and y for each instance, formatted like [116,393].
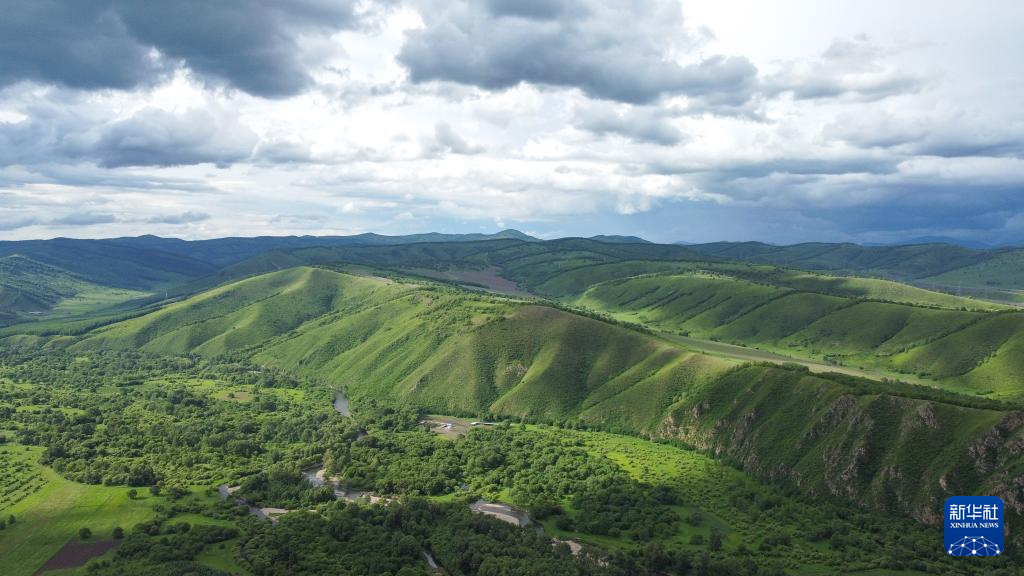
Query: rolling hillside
[32,290]
[884,445]
[107,263]
[935,264]
[973,351]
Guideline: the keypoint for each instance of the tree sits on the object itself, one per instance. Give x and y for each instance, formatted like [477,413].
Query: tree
[11,520]
[154,490]
[133,493]
[118,533]
[715,540]
[84,533]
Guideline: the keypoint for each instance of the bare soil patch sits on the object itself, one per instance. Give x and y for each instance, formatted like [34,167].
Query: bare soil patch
[74,554]
[451,427]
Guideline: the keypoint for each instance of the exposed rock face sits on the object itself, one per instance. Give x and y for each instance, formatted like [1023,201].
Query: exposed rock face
[879,451]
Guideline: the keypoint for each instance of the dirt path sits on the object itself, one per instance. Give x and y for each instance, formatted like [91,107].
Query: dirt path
[754,355]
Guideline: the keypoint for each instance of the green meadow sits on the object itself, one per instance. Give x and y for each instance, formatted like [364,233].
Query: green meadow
[56,509]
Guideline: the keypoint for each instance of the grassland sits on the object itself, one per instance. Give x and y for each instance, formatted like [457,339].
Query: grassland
[972,351]
[54,512]
[1004,269]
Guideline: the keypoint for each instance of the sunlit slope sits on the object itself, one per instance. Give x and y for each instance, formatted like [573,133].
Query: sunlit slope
[884,445]
[575,281]
[239,315]
[971,351]
[441,349]
[449,353]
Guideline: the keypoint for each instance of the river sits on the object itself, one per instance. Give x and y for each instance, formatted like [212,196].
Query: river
[341,404]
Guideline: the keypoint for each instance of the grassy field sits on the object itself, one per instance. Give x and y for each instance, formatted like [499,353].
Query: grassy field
[968,351]
[1003,270]
[91,299]
[52,514]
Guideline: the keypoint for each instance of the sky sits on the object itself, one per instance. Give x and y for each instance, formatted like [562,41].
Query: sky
[784,121]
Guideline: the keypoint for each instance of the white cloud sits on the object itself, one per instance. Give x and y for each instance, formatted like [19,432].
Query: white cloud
[607,114]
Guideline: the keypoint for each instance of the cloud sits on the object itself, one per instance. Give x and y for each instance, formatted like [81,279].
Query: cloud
[155,137]
[71,128]
[850,68]
[180,218]
[446,140]
[948,133]
[282,151]
[498,44]
[83,219]
[641,124]
[252,45]
[8,224]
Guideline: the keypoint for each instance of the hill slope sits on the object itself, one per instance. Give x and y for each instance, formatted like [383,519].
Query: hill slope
[937,264]
[974,351]
[31,290]
[886,446]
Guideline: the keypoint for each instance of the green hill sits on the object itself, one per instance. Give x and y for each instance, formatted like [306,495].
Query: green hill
[884,445]
[901,262]
[933,264]
[1004,269]
[31,290]
[878,449]
[971,351]
[442,349]
[107,263]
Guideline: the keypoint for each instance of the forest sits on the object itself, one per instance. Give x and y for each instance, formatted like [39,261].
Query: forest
[165,427]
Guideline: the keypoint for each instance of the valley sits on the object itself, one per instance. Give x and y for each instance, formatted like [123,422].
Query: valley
[666,411]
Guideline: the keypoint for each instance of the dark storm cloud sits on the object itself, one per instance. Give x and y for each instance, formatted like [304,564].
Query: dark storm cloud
[78,43]
[247,44]
[928,207]
[607,51]
[952,135]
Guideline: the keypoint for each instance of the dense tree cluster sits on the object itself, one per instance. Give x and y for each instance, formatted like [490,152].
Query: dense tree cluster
[98,429]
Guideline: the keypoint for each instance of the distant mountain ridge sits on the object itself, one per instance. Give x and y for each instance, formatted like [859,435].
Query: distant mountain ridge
[163,266]
[616,239]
